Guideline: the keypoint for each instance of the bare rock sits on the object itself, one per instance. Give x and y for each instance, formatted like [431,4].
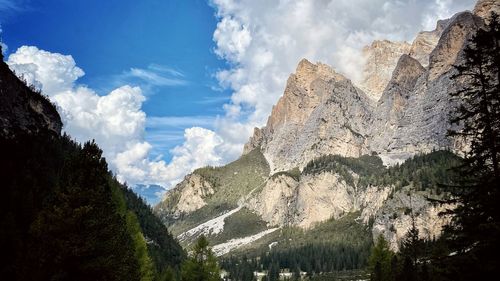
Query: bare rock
[381,58]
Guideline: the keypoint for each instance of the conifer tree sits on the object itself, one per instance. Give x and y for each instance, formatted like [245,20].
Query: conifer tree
[380,260]
[476,225]
[202,264]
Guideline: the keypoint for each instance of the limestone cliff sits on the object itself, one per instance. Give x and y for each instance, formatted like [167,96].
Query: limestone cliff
[380,59]
[398,111]
[484,8]
[322,112]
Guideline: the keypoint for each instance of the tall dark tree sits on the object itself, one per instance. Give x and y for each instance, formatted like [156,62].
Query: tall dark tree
[202,264]
[476,224]
[380,260]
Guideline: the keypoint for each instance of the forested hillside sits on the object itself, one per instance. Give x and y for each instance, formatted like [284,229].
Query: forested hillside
[63,215]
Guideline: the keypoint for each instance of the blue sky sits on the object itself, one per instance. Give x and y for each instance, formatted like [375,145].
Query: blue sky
[108,39]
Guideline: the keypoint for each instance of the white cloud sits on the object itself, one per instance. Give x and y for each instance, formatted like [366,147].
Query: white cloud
[152,76]
[56,72]
[4,46]
[116,120]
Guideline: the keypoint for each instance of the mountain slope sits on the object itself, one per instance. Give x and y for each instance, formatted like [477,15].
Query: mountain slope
[63,215]
[335,149]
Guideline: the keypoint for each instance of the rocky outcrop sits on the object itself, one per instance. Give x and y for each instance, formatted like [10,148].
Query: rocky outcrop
[321,112]
[380,59]
[405,207]
[23,108]
[186,197]
[484,8]
[421,125]
[458,31]
[425,42]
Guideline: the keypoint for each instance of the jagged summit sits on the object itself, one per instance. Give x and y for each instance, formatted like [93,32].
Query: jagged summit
[426,41]
[380,59]
[400,111]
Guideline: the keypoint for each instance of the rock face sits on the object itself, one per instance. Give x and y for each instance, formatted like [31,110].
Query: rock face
[284,201]
[394,219]
[380,59]
[22,108]
[484,8]
[425,42]
[400,110]
[322,112]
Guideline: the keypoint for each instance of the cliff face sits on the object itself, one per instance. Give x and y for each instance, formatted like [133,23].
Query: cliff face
[399,110]
[484,8]
[321,112]
[324,113]
[380,59]
[22,108]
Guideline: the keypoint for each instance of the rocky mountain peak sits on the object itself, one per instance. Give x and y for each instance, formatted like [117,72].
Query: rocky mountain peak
[406,73]
[426,41]
[380,59]
[456,33]
[307,72]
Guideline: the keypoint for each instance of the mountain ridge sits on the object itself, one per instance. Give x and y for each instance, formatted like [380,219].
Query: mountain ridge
[323,113]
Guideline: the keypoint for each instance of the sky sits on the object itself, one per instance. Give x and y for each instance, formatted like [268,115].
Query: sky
[167,86]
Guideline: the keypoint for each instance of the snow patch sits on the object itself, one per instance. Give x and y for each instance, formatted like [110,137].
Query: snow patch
[391,159]
[211,227]
[224,248]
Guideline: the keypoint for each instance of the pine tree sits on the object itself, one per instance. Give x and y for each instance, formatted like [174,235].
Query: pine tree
[380,260]
[476,225]
[202,264]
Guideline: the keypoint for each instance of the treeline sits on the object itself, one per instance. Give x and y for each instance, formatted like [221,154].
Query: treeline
[424,171]
[63,216]
[163,248]
[314,259]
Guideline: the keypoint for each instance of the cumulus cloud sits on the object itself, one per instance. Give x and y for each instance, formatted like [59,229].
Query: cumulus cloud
[115,120]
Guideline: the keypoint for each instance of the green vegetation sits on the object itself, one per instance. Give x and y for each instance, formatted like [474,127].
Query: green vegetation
[293,173]
[64,217]
[164,250]
[474,234]
[240,224]
[380,260]
[236,179]
[334,245]
[424,171]
[201,264]
[230,182]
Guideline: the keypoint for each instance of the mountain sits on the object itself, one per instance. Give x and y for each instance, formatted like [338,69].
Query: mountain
[63,215]
[358,160]
[24,108]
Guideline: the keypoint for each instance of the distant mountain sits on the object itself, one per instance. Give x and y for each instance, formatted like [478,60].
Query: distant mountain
[335,154]
[150,192]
